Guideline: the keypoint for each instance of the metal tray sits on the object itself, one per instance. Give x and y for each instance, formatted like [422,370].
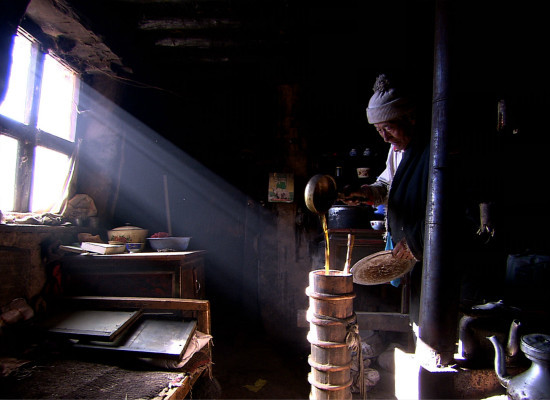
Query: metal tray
[93,324]
[150,337]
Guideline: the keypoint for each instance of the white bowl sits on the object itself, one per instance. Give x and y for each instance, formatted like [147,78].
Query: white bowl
[378,225]
[172,243]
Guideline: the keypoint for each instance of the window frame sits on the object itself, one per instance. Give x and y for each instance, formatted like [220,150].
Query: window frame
[27,134]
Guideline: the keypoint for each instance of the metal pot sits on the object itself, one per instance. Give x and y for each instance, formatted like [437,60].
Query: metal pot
[127,234]
[350,217]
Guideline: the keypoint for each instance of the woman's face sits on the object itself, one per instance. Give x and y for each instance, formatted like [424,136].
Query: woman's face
[396,133]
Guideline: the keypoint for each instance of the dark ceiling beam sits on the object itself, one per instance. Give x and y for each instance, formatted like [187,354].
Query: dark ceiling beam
[209,42]
[188,24]
[201,43]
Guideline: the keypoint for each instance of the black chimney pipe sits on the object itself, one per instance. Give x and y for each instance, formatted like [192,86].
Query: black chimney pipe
[439,300]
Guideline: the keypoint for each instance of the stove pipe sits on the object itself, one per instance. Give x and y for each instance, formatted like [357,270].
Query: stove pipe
[439,300]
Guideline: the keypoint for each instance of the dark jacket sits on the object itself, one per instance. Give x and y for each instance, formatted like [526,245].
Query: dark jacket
[408,196]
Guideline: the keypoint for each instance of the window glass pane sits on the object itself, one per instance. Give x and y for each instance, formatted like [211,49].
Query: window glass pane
[50,172]
[8,165]
[14,103]
[55,113]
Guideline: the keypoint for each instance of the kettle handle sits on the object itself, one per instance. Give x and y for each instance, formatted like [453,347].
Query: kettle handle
[512,348]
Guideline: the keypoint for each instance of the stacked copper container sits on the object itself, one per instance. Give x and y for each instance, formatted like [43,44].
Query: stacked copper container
[330,315]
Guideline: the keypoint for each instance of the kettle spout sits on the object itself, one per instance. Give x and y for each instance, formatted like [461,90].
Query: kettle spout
[500,362]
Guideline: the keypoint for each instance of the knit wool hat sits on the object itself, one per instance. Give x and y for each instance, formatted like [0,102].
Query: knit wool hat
[387,103]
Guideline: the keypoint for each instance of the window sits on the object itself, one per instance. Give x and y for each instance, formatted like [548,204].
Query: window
[37,129]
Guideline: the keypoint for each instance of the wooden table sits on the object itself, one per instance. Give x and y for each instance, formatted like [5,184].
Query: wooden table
[57,371]
[158,274]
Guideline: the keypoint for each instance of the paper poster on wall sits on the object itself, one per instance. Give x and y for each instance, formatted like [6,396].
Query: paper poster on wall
[281,188]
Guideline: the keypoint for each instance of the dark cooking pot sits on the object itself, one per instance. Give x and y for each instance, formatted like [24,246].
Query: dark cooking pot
[349,217]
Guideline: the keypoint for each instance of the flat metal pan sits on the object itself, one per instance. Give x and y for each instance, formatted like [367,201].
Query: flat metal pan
[380,267]
[150,337]
[93,324]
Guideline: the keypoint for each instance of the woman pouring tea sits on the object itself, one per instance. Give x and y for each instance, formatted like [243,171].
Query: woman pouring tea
[403,185]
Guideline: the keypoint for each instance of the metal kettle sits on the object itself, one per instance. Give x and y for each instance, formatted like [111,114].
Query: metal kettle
[534,383]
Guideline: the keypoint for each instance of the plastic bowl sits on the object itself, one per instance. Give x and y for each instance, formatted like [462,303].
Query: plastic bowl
[134,247]
[172,243]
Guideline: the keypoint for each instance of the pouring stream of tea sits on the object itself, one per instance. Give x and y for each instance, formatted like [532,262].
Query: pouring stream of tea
[327,251]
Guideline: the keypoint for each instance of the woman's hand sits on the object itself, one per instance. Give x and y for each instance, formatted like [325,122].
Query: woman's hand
[402,251]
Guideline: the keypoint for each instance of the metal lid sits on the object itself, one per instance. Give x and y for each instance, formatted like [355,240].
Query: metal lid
[536,345]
